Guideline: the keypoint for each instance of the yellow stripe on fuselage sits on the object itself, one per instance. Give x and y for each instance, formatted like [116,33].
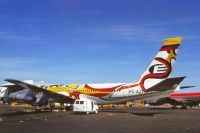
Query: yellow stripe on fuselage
[172,41]
[58,89]
[81,90]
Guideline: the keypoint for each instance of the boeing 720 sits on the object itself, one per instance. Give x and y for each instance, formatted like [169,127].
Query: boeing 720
[156,80]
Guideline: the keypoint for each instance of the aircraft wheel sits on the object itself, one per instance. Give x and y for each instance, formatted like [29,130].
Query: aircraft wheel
[52,105]
[96,112]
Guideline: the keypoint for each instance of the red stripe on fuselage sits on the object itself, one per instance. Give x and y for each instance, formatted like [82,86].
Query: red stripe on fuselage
[101,89]
[127,87]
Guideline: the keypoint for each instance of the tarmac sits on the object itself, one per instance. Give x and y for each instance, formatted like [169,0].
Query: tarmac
[107,121]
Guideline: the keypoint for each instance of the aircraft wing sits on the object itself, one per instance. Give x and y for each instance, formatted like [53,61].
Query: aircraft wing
[167,84]
[13,87]
[56,96]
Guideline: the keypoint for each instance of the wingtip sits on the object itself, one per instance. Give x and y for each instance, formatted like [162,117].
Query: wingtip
[11,80]
[8,80]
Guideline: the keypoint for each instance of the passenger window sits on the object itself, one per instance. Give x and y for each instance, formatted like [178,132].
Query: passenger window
[81,102]
[77,102]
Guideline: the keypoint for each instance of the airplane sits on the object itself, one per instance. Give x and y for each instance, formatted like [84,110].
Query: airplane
[179,99]
[155,80]
[186,96]
[186,99]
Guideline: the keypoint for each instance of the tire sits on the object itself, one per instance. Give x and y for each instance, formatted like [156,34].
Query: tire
[96,112]
[87,113]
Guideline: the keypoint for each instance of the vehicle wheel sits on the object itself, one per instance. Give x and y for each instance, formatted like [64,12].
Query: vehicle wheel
[87,113]
[96,112]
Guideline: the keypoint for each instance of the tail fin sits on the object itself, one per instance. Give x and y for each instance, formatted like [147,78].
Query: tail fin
[162,65]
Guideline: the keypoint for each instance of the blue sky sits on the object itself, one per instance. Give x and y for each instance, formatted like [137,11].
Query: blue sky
[95,41]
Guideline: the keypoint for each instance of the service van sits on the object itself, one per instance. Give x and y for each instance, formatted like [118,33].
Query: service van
[85,106]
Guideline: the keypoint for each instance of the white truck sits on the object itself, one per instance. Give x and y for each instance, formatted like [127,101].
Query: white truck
[85,106]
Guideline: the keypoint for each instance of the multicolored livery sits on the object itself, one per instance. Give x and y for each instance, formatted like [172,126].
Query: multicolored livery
[154,81]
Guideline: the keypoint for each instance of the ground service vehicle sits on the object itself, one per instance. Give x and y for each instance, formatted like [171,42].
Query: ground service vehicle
[85,106]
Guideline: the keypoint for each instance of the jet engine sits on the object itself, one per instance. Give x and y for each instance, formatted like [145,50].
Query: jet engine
[41,99]
[24,95]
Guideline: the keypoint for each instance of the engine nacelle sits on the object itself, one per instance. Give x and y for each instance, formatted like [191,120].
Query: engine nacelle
[30,97]
[41,99]
[23,96]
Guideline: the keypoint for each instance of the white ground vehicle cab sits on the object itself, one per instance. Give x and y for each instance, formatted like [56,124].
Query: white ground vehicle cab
[85,106]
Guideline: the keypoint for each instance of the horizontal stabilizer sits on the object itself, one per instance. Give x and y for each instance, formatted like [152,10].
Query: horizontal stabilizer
[184,87]
[167,84]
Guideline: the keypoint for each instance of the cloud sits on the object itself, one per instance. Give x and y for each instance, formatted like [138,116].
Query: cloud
[14,36]
[15,62]
[88,37]
[146,31]
[22,37]
[13,67]
[175,21]
[36,69]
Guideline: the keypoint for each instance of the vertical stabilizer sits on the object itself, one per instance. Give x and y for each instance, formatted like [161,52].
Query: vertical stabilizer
[162,65]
